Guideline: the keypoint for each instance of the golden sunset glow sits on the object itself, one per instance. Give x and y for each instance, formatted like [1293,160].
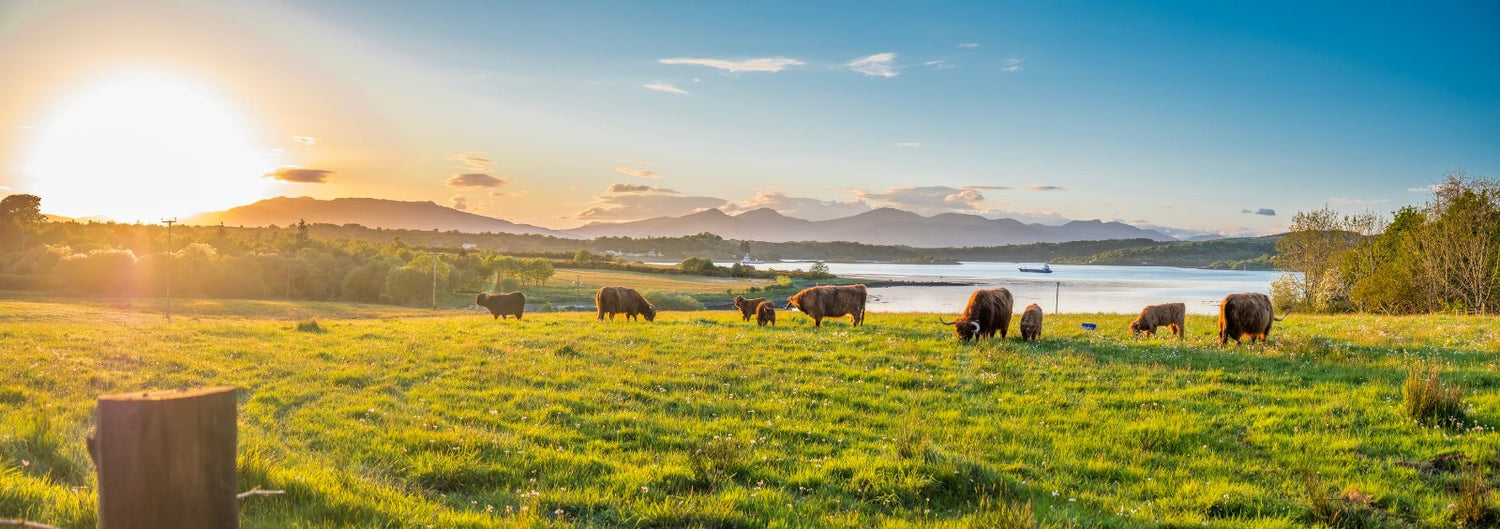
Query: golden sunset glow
[145,147]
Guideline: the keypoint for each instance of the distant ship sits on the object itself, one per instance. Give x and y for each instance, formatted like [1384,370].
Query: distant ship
[1045,269]
[747,260]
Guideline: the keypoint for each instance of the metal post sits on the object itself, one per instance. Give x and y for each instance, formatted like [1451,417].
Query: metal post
[168,256]
[1056,297]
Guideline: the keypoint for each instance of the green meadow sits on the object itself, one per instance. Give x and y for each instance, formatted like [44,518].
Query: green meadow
[388,417]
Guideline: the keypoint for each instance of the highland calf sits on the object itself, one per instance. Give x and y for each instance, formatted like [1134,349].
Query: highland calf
[831,302]
[622,300]
[1031,323]
[747,307]
[1245,314]
[502,305]
[988,312]
[1171,315]
[765,313]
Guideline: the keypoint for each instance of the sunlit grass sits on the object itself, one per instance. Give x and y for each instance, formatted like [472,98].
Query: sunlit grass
[401,417]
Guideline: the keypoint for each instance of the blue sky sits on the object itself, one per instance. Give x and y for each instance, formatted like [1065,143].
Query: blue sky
[1194,115]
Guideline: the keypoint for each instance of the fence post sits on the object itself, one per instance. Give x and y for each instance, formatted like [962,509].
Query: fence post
[166,459]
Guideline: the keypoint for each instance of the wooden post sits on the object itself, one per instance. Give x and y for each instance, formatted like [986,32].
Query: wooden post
[167,459]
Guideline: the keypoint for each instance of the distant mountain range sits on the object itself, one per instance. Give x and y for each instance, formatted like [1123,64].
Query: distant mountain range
[369,212]
[878,226]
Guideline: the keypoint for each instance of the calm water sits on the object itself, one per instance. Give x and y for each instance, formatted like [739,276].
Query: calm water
[1069,288]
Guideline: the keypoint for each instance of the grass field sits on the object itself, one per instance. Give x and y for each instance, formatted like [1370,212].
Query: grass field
[400,418]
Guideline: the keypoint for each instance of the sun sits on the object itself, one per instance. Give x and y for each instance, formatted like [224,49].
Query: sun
[146,147]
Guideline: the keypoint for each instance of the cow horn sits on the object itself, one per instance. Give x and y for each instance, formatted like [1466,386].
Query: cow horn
[976,325]
[940,320]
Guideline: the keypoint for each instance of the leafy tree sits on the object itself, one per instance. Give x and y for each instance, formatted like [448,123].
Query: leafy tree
[18,215]
[698,265]
[819,270]
[1310,254]
[1460,244]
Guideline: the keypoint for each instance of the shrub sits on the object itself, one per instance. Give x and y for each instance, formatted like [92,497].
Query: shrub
[309,326]
[1427,400]
[783,281]
[672,300]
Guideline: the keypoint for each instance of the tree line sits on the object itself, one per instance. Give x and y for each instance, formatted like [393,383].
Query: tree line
[116,259]
[1442,256]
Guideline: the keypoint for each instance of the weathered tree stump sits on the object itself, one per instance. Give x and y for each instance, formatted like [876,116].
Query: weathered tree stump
[166,459]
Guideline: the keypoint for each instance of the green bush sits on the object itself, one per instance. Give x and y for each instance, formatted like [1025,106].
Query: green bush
[672,300]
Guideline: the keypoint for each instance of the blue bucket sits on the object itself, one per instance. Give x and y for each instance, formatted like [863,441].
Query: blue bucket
[1089,326]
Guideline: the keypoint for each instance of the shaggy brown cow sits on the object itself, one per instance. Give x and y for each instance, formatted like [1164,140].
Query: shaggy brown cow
[988,312]
[625,301]
[502,305]
[1031,323]
[831,301]
[747,307]
[1245,313]
[1172,315]
[765,313]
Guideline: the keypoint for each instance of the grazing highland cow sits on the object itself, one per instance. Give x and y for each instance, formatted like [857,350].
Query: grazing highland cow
[765,313]
[831,302]
[1031,323]
[1172,315]
[622,300]
[747,307]
[1245,313]
[988,312]
[502,305]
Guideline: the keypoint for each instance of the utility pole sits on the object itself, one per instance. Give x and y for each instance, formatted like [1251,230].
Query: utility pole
[168,255]
[1056,295]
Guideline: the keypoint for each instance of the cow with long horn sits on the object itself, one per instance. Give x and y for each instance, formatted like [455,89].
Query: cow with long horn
[987,313]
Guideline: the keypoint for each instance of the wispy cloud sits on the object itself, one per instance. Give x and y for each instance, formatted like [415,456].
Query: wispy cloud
[1012,65]
[1423,189]
[664,87]
[646,205]
[877,65]
[460,203]
[620,187]
[767,64]
[476,180]
[638,173]
[1356,201]
[478,161]
[909,144]
[801,207]
[929,199]
[941,64]
[300,175]
[305,140]
[968,45]
[1268,212]
[1043,188]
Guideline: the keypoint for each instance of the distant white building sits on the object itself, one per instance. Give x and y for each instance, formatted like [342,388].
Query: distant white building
[470,246]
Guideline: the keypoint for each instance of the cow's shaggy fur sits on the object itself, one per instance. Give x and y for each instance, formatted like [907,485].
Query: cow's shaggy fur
[747,307]
[987,313]
[1171,315]
[1245,314]
[1031,323]
[502,305]
[622,300]
[765,314]
[831,301]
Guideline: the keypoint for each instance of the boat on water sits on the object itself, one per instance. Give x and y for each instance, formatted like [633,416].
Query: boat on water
[1045,269]
[747,260]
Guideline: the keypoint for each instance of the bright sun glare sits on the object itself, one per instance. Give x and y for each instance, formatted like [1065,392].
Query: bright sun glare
[144,148]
